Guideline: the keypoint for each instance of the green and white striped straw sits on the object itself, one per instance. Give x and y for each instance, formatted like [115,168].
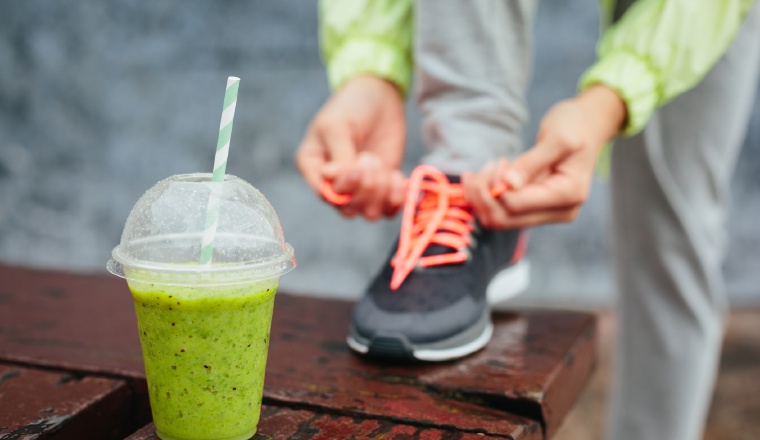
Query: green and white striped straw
[220,168]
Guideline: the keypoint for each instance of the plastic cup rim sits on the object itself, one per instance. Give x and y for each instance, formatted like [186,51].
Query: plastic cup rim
[248,271]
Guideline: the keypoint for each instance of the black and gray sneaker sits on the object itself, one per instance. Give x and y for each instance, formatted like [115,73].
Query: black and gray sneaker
[432,301]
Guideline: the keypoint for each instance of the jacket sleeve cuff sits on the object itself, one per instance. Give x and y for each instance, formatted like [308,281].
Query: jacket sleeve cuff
[633,79]
[369,56]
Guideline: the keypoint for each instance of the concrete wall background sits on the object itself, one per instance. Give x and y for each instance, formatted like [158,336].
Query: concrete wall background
[99,100]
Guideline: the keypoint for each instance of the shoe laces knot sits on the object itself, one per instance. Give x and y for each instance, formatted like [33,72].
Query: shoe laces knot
[435,213]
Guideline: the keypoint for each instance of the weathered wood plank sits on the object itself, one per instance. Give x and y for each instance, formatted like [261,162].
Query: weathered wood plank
[68,321]
[537,362]
[37,404]
[282,423]
[534,368]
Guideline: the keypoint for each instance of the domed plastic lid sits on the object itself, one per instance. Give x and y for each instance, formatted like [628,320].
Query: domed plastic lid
[163,235]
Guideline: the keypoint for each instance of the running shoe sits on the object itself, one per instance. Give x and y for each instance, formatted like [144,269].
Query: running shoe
[432,300]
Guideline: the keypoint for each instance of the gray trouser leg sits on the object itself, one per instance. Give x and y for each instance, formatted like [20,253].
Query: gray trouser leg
[473,66]
[669,193]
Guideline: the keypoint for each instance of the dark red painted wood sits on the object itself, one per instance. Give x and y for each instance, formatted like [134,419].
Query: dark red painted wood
[52,405]
[63,320]
[534,368]
[279,423]
[539,361]
[147,432]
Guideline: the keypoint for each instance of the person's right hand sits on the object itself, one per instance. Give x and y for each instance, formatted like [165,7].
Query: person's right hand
[356,142]
[550,182]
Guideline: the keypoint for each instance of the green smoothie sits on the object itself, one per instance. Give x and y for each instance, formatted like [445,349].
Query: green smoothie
[205,350]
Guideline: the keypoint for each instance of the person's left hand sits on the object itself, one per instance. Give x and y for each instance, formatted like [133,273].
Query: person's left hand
[550,182]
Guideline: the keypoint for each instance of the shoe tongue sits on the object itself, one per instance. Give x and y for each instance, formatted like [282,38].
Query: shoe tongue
[437,249]
[453,179]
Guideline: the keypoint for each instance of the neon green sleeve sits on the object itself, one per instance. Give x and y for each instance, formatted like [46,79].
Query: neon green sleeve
[366,37]
[662,48]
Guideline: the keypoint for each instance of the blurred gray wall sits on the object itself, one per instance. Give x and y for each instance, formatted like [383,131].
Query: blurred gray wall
[99,100]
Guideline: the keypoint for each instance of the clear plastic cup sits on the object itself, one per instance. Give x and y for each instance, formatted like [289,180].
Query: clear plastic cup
[204,328]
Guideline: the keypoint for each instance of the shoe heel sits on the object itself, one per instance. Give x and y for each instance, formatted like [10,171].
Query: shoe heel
[508,283]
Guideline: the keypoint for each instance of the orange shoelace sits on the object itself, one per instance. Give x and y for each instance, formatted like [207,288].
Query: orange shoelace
[435,213]
[329,194]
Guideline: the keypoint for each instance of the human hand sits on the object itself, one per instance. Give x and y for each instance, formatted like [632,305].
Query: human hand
[550,182]
[356,144]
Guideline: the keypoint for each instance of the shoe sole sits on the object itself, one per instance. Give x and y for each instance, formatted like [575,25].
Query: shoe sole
[505,285]
[398,347]
[508,283]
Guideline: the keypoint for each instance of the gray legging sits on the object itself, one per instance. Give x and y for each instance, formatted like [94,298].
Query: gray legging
[669,190]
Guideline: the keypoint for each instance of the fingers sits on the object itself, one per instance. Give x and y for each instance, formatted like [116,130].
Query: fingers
[340,148]
[561,184]
[310,161]
[333,197]
[369,195]
[368,188]
[396,194]
[549,198]
[326,147]
[556,192]
[478,189]
[536,160]
[359,184]
[531,219]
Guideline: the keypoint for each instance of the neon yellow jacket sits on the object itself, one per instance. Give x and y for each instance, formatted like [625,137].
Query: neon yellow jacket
[658,50]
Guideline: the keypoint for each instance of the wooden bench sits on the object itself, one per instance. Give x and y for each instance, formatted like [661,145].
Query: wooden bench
[71,368]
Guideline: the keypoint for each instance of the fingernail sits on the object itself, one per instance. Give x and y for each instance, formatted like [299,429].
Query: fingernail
[330,169]
[350,173]
[498,189]
[369,160]
[515,179]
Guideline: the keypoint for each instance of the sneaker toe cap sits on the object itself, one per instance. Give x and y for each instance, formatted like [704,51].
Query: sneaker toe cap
[371,320]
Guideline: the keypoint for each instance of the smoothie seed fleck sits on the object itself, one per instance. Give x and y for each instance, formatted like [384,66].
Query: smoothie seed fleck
[173,324]
[168,395]
[170,296]
[181,415]
[234,389]
[170,308]
[174,367]
[183,350]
